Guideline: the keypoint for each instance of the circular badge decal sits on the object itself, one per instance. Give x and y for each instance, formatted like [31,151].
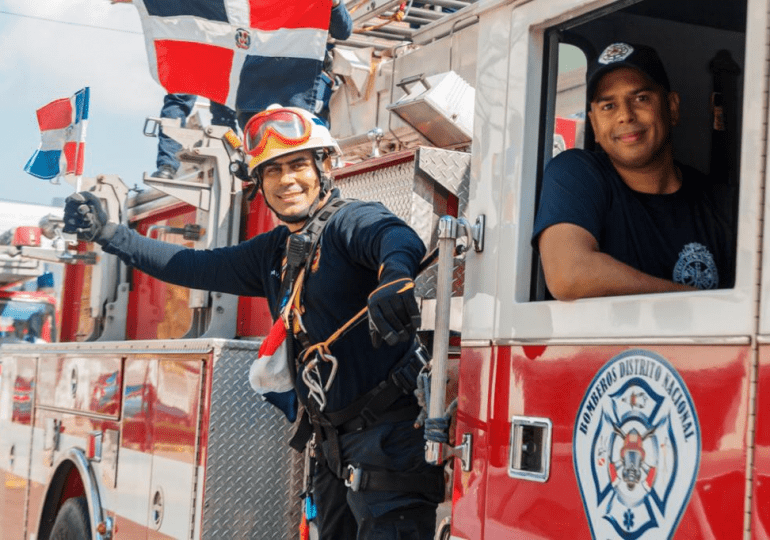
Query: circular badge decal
[636,448]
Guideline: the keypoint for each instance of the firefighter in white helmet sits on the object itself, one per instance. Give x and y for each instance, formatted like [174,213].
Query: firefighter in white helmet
[272,135]
[329,260]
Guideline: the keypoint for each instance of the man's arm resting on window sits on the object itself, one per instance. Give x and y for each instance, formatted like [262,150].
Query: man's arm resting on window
[575,268]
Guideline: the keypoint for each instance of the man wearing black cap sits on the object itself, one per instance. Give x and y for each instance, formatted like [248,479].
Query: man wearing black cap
[628,219]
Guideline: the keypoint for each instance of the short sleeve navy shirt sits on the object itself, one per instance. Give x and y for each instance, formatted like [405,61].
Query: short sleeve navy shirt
[683,236]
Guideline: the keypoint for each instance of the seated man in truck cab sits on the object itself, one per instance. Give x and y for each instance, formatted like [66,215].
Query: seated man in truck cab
[628,219]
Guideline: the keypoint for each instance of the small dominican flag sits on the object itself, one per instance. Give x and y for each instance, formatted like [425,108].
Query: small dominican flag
[246,54]
[269,374]
[62,132]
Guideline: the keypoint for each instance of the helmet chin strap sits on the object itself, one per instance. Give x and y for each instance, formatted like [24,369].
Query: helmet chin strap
[326,184]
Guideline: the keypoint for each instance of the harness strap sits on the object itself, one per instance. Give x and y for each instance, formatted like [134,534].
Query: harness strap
[359,423]
[293,278]
[430,481]
[366,410]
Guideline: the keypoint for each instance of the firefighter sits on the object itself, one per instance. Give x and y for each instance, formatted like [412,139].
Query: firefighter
[629,219]
[371,479]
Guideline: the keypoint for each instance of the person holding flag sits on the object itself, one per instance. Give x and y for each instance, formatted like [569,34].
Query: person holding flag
[331,264]
[244,54]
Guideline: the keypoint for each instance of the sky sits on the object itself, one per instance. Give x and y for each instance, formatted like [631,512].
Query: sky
[50,49]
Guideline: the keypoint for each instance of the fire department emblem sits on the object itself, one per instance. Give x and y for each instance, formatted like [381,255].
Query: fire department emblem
[242,38]
[696,267]
[636,448]
[617,52]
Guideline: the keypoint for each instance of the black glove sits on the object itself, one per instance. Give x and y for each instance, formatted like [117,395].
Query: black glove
[393,312]
[84,215]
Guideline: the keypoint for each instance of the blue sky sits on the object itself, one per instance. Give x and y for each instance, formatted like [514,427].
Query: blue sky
[51,49]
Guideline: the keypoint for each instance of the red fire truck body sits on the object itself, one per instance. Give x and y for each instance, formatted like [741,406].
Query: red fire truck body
[630,417]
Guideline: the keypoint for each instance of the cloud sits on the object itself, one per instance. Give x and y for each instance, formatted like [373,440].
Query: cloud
[55,48]
[50,59]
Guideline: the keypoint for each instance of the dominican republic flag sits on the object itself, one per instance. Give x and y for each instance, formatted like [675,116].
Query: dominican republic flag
[62,132]
[269,374]
[246,54]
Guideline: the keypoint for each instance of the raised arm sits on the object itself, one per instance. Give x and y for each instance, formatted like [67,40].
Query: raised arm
[575,268]
[236,269]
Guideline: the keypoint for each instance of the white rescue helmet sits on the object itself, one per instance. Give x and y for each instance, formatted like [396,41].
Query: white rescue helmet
[278,131]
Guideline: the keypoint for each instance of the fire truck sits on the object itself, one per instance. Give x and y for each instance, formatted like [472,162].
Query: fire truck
[630,417]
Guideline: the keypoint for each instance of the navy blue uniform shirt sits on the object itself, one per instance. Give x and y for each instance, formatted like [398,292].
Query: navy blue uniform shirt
[682,236]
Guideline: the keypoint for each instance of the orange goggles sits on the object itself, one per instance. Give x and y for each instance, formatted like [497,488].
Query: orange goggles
[289,127]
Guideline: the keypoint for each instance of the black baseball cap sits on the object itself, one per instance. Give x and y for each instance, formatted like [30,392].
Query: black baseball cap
[618,55]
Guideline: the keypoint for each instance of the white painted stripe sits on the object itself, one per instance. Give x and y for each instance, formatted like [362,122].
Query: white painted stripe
[17,436]
[176,480]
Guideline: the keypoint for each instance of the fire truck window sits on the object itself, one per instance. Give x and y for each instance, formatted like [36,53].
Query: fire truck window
[703,54]
[569,108]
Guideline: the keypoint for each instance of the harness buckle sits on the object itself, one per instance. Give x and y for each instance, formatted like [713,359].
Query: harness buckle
[422,354]
[353,480]
[405,376]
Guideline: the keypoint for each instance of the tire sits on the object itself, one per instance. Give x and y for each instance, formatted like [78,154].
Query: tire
[72,521]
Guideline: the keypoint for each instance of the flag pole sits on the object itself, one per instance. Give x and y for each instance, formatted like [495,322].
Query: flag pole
[81,137]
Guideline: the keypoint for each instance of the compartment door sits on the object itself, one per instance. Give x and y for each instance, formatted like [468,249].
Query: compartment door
[17,398]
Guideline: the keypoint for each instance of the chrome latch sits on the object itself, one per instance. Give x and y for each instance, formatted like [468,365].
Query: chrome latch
[437,453]
[474,234]
[530,448]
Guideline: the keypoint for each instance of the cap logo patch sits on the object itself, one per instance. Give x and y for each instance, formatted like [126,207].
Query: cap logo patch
[617,52]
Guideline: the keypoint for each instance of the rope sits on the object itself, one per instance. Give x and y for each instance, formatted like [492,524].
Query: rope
[397,16]
[311,376]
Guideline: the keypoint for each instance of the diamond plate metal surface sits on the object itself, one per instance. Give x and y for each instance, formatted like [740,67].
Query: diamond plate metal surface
[253,478]
[392,186]
[450,169]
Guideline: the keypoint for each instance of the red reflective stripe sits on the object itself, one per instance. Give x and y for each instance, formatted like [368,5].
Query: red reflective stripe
[194,68]
[271,15]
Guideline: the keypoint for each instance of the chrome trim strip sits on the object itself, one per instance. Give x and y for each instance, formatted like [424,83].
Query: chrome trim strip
[86,414]
[683,340]
[168,346]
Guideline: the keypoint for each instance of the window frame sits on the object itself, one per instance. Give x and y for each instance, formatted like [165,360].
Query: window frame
[499,166]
